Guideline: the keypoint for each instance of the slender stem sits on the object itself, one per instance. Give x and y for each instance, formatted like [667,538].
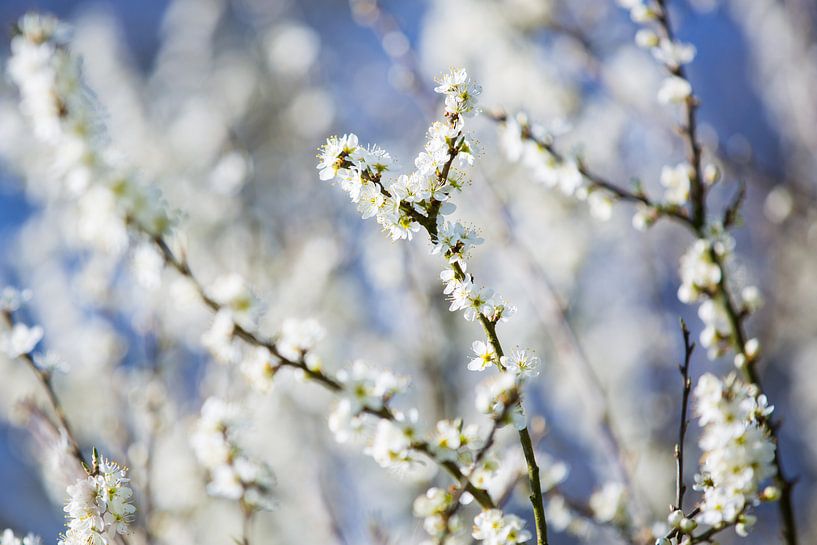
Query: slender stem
[680,487]
[44,378]
[688,130]
[536,499]
[247,513]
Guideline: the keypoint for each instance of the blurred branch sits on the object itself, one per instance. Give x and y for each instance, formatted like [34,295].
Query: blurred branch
[319,376]
[44,378]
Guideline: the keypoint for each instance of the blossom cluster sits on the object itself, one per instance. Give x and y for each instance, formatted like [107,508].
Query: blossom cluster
[65,119]
[670,52]
[493,527]
[21,339]
[99,506]
[233,474]
[701,277]
[738,452]
[402,206]
[609,503]
[528,143]
[399,205]
[239,308]
[434,507]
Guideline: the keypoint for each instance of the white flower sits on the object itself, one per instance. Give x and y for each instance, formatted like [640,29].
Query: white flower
[738,453]
[20,340]
[699,273]
[460,92]
[366,387]
[485,356]
[673,53]
[50,362]
[494,528]
[642,13]
[334,152]
[347,423]
[646,38]
[147,266]
[298,337]
[64,116]
[231,291]
[752,298]
[99,506]
[601,205]
[371,201]
[495,392]
[522,364]
[432,506]
[674,90]
[608,503]
[219,341]
[259,366]
[232,474]
[392,443]
[717,332]
[644,217]
[676,180]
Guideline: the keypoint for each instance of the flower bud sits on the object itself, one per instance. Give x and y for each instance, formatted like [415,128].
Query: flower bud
[712,174]
[674,519]
[646,38]
[751,349]
[687,525]
[770,493]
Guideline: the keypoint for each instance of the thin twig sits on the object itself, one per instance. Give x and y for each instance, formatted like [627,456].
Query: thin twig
[44,378]
[680,487]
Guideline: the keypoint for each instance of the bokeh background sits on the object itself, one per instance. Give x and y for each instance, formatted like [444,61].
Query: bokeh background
[223,103]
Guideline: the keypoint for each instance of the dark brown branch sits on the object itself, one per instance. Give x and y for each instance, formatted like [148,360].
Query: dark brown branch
[680,487]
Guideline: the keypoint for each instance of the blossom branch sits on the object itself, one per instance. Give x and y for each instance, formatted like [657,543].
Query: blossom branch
[697,199]
[595,181]
[319,376]
[44,377]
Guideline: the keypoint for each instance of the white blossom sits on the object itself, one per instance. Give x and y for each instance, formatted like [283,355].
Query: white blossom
[485,356]
[99,506]
[299,337]
[20,340]
[674,90]
[676,181]
[521,363]
[700,274]
[608,503]
[674,53]
[232,473]
[492,527]
[738,453]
